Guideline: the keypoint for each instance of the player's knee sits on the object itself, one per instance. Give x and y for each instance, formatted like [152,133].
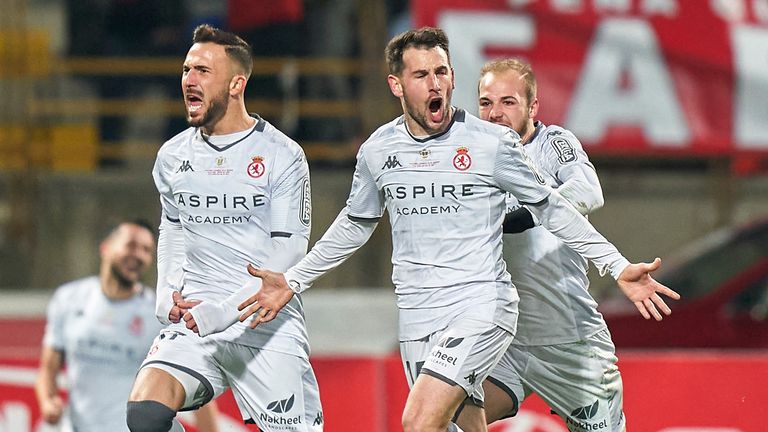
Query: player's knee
[149,416]
[415,422]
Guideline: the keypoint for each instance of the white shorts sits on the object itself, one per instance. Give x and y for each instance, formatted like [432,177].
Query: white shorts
[579,381]
[462,354]
[276,391]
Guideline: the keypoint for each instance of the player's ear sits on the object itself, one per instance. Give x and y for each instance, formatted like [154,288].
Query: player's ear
[395,86]
[237,84]
[533,109]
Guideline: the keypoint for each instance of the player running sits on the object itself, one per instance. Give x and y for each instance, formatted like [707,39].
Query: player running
[442,175]
[234,190]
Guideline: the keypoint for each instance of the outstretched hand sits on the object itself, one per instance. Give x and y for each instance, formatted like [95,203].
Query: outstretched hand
[643,290]
[267,302]
[180,307]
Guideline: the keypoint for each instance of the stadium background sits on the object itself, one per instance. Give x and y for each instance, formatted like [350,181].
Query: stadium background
[667,96]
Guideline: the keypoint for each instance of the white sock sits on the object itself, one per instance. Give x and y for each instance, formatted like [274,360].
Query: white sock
[176,426]
[454,428]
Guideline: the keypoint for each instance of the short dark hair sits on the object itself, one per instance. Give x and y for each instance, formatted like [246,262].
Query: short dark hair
[425,37]
[235,47]
[143,223]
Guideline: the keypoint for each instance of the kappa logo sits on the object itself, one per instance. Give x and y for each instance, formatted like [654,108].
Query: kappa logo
[471,378]
[391,162]
[318,419]
[281,406]
[450,342]
[185,166]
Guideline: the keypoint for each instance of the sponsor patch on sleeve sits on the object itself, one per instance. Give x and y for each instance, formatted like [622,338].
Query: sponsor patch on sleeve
[565,151]
[305,212]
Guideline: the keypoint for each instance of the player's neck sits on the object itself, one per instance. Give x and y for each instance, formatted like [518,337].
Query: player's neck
[529,131]
[418,131]
[115,290]
[238,121]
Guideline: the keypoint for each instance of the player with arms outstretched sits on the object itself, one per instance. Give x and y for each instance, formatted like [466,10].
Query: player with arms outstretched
[442,175]
[562,350]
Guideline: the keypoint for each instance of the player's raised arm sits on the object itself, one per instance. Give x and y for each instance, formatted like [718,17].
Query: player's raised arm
[516,174]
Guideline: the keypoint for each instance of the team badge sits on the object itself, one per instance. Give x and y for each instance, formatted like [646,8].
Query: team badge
[256,168]
[136,326]
[462,161]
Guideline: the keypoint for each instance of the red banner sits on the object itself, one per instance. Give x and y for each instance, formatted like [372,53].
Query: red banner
[683,391]
[678,392]
[629,77]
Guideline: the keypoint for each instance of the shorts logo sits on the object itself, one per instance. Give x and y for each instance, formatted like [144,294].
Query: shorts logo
[450,342]
[579,419]
[279,420]
[170,334]
[587,412]
[565,151]
[256,168]
[281,406]
[318,419]
[305,212]
[471,378]
[462,161]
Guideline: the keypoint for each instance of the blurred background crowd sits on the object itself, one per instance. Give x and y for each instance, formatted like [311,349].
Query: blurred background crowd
[90,90]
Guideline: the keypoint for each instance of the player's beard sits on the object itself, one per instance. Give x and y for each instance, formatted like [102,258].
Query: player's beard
[525,126]
[216,110]
[125,281]
[420,117]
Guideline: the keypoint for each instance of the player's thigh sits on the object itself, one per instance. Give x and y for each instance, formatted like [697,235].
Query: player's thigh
[431,403]
[180,358]
[504,389]
[276,391]
[470,417]
[580,382]
[461,355]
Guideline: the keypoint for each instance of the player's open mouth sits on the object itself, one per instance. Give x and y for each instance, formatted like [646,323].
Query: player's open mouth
[436,110]
[194,103]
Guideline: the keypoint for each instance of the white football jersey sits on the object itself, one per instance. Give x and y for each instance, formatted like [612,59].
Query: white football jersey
[551,278]
[232,194]
[446,209]
[104,342]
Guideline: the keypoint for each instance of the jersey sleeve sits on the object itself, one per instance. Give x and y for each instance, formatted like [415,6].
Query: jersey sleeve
[515,173]
[56,321]
[291,204]
[161,173]
[170,243]
[564,156]
[365,201]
